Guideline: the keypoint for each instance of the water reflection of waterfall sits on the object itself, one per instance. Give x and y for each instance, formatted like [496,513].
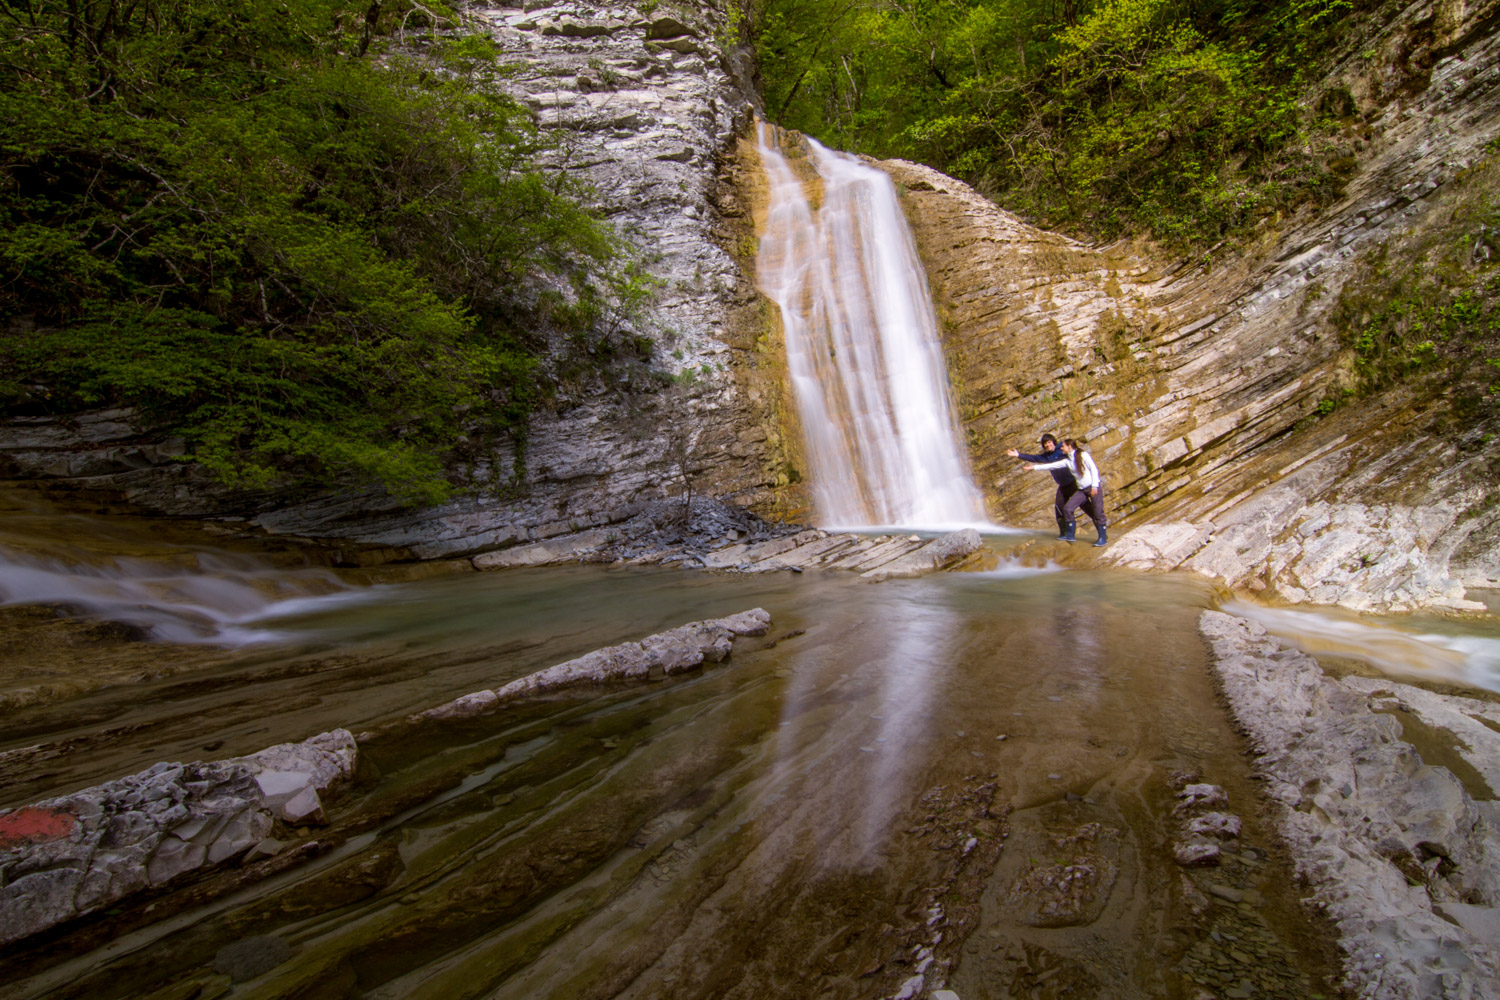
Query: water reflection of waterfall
[862,348]
[189,597]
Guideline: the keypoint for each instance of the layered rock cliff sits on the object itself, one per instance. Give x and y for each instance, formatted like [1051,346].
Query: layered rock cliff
[1199,388]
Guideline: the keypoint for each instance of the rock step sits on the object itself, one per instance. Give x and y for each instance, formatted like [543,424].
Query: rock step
[874,557]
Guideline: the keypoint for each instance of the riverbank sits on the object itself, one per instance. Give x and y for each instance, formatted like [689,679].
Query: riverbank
[1401,852]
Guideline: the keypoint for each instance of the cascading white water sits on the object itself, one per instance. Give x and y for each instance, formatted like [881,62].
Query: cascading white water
[190,596]
[862,348]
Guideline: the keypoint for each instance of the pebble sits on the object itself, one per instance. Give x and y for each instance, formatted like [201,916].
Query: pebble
[1001,736]
[1225,892]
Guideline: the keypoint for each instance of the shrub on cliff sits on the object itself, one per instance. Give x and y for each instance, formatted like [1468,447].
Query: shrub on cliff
[302,233]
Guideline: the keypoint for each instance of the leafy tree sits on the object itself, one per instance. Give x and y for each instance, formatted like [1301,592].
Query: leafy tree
[309,234]
[1179,118]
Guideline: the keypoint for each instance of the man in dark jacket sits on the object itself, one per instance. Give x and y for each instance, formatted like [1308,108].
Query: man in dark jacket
[1066,484]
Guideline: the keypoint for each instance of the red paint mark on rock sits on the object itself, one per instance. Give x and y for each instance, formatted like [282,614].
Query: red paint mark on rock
[31,825]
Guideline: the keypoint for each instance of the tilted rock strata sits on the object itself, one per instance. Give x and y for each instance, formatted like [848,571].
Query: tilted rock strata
[877,557]
[1404,860]
[1192,386]
[76,854]
[672,652]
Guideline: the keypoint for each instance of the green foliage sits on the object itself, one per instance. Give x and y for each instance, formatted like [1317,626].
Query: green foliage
[1434,322]
[1181,119]
[301,233]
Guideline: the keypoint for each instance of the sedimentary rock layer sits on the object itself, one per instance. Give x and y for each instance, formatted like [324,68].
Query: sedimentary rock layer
[1403,855]
[76,854]
[875,557]
[643,104]
[1197,387]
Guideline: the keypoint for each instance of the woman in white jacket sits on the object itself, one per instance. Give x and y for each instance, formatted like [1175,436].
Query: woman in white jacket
[1090,494]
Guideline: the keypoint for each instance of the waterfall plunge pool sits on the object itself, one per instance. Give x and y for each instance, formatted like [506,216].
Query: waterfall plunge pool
[971,772]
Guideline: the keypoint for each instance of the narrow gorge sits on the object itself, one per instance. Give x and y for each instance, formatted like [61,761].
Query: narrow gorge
[745,663]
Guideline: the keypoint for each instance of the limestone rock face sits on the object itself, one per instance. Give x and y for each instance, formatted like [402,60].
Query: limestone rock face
[1194,388]
[75,854]
[1398,851]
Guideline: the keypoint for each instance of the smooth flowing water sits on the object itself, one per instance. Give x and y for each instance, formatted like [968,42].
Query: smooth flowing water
[866,363]
[897,775]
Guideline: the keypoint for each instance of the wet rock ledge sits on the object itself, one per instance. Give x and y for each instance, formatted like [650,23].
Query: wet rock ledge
[716,536]
[1403,855]
[78,854]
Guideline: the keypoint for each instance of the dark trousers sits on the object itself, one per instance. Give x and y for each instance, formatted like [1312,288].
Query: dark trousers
[1080,500]
[1059,508]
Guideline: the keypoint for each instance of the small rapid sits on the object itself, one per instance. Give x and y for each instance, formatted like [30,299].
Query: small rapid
[215,598]
[165,579]
[863,352]
[1424,653]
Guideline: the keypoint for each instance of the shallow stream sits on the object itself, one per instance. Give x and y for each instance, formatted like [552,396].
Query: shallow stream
[967,772]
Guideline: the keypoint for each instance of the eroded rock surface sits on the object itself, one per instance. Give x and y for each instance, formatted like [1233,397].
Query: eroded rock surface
[1400,854]
[76,854]
[671,652]
[716,537]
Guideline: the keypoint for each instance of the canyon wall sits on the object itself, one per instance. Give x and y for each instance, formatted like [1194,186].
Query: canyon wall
[1201,390]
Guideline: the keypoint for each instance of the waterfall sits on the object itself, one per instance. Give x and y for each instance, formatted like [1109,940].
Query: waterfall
[866,364]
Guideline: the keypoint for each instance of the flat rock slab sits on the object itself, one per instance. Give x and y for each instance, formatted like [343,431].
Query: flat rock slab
[876,557]
[671,652]
[73,855]
[1402,858]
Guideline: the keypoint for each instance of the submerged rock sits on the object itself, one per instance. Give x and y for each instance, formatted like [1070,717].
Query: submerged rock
[76,854]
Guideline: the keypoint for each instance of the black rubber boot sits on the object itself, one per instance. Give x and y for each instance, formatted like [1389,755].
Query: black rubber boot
[1099,542]
[1068,533]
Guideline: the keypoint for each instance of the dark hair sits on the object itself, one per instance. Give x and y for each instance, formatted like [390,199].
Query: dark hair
[1048,437]
[1077,454]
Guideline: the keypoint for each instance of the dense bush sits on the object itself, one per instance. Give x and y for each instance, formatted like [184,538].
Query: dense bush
[303,233]
[1179,118]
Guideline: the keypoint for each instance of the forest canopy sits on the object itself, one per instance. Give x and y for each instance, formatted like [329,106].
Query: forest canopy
[301,234]
[1182,119]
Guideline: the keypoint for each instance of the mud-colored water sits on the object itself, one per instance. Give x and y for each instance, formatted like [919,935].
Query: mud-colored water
[829,813]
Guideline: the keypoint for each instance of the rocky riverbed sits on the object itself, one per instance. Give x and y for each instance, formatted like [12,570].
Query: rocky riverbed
[1385,794]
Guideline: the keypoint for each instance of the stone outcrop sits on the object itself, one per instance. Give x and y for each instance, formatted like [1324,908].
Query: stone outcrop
[672,652]
[1403,855]
[1198,388]
[715,537]
[76,854]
